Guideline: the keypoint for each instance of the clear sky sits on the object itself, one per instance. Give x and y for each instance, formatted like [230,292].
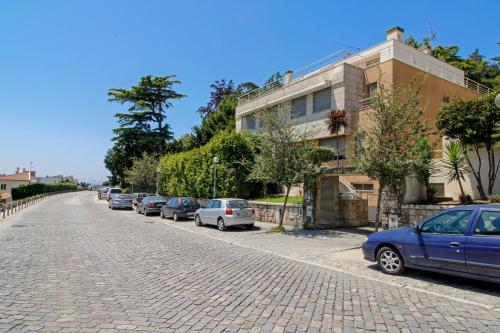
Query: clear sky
[59,58]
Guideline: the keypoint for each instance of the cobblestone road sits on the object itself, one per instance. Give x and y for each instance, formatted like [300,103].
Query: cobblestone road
[71,265]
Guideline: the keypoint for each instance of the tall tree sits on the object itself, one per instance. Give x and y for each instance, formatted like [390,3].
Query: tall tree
[149,101]
[455,164]
[286,155]
[425,167]
[472,122]
[142,176]
[220,90]
[335,121]
[388,151]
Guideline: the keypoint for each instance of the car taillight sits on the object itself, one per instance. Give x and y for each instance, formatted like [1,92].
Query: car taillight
[229,211]
[151,205]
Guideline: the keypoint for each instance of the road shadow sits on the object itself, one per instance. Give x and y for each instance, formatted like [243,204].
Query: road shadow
[344,233]
[233,228]
[460,283]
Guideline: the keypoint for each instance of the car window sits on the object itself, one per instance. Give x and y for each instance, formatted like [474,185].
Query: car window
[488,223]
[209,204]
[237,204]
[216,204]
[115,190]
[124,196]
[452,222]
[187,201]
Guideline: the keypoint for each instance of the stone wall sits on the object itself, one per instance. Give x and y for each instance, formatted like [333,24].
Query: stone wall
[416,213]
[269,212]
[353,212]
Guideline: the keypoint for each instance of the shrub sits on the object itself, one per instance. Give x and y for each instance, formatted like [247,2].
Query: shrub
[29,190]
[190,173]
[465,199]
[495,198]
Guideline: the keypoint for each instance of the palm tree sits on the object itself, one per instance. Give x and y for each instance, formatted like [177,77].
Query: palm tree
[455,163]
[335,120]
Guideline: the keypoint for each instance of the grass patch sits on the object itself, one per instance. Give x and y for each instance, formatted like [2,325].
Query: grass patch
[298,200]
[278,229]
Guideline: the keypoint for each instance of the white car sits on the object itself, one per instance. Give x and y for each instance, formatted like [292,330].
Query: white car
[225,213]
[112,191]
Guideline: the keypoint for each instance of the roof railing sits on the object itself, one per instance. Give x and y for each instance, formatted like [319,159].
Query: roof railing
[476,86]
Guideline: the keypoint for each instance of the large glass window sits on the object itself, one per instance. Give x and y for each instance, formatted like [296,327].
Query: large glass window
[371,89]
[249,122]
[452,222]
[488,223]
[322,100]
[299,107]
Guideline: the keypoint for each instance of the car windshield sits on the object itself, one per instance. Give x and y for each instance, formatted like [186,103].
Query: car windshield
[237,204]
[187,201]
[124,196]
[156,199]
[115,190]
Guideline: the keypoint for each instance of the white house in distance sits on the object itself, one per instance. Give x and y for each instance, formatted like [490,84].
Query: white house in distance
[8,182]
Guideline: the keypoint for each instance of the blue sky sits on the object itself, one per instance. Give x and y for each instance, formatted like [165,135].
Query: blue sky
[59,58]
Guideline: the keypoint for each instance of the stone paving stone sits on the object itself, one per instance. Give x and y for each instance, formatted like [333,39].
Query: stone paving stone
[79,267]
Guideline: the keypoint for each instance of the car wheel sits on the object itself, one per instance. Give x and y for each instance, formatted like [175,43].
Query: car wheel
[390,261]
[221,225]
[162,215]
[249,226]
[197,221]
[175,217]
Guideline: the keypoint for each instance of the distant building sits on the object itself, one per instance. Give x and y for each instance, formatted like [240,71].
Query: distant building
[8,182]
[56,179]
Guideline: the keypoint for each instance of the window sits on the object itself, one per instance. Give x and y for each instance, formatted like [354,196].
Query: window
[371,89]
[332,142]
[249,122]
[446,100]
[237,204]
[322,100]
[488,223]
[216,204]
[209,204]
[363,187]
[453,222]
[3,187]
[299,107]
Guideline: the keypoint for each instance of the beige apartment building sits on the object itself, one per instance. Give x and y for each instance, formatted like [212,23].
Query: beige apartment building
[8,182]
[344,80]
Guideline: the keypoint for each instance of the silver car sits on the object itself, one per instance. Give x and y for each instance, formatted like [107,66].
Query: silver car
[112,191]
[121,201]
[225,213]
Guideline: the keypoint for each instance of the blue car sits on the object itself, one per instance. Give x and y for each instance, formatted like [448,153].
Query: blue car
[462,241]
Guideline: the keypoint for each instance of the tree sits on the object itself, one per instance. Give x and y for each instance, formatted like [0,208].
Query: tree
[388,149]
[149,100]
[286,155]
[143,174]
[220,90]
[473,122]
[335,121]
[455,163]
[425,166]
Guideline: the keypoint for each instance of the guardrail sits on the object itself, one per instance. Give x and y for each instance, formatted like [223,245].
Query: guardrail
[476,86]
[7,209]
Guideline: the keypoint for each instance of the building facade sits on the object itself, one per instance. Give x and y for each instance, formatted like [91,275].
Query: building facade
[8,182]
[345,80]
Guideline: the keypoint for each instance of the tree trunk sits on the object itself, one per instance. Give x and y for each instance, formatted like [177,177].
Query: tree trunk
[282,215]
[492,169]
[379,199]
[338,157]
[477,174]
[460,183]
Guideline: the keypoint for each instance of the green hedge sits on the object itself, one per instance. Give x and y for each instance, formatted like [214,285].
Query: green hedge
[190,173]
[29,190]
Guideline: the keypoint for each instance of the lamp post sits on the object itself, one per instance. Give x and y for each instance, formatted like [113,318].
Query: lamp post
[216,161]
[157,179]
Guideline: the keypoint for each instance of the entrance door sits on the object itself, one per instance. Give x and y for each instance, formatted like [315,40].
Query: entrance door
[327,200]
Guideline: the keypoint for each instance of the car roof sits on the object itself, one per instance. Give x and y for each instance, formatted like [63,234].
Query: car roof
[488,206]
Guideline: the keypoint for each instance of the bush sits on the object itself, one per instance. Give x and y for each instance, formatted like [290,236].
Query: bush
[495,198]
[190,173]
[465,199]
[29,190]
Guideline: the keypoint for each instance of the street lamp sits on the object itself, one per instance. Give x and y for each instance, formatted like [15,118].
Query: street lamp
[216,161]
[157,179]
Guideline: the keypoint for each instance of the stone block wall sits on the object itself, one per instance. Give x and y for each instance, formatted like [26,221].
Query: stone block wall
[269,212]
[353,212]
[416,213]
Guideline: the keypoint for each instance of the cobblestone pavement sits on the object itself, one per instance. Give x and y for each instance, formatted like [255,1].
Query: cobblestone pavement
[71,265]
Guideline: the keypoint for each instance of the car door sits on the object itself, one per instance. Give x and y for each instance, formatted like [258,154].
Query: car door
[143,204]
[215,211]
[205,212]
[439,242]
[482,252]
[167,209]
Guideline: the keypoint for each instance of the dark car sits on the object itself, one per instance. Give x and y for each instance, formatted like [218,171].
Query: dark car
[137,197]
[462,241]
[179,208]
[120,201]
[150,205]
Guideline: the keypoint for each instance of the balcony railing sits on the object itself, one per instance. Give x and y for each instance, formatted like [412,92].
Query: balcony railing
[476,86]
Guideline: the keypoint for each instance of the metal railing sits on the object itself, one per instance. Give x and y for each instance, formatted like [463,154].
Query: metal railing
[347,190]
[476,86]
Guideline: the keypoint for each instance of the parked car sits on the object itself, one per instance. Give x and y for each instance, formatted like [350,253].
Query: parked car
[151,205]
[121,201]
[102,192]
[137,197]
[462,241]
[225,212]
[112,191]
[179,208]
